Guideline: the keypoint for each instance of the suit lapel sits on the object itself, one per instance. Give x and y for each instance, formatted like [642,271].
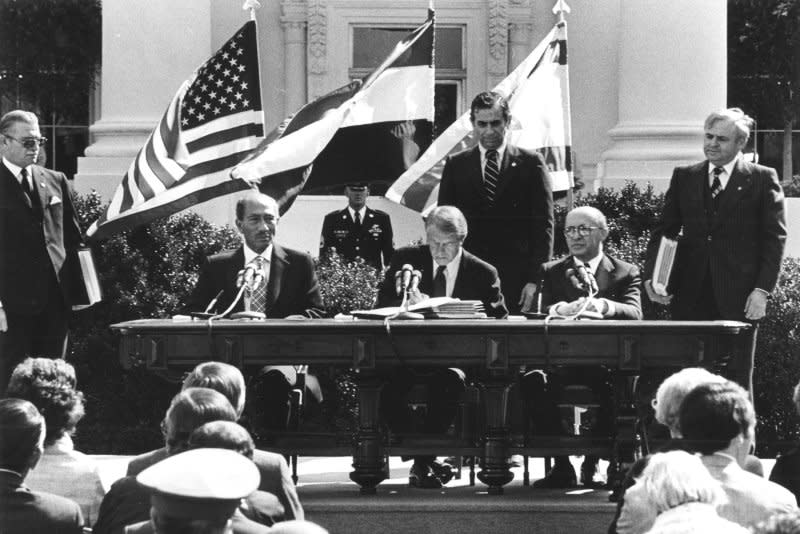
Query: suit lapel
[14,187]
[277,266]
[604,274]
[738,185]
[459,288]
[698,183]
[477,177]
[507,168]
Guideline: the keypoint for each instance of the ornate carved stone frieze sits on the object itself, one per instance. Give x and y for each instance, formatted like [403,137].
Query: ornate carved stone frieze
[317,36]
[498,37]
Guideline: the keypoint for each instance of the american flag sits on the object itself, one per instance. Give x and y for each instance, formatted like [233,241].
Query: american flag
[212,123]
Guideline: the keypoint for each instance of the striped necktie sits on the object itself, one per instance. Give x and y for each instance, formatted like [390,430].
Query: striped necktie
[716,185]
[491,174]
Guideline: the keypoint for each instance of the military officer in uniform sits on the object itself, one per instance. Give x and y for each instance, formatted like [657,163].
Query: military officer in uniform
[358,231]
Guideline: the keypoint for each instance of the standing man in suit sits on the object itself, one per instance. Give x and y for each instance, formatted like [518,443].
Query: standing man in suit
[506,195]
[608,288]
[39,238]
[731,213]
[447,271]
[358,231]
[291,290]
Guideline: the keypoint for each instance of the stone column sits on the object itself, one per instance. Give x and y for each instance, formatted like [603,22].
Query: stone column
[293,21]
[671,76]
[148,52]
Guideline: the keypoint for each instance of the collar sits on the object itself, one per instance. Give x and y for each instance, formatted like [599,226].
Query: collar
[501,150]
[10,472]
[62,444]
[728,167]
[250,255]
[452,268]
[362,212]
[593,263]
[15,169]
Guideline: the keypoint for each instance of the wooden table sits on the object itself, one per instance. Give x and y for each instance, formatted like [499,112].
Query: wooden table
[494,348]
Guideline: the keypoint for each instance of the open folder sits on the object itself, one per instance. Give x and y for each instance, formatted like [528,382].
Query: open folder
[433,308]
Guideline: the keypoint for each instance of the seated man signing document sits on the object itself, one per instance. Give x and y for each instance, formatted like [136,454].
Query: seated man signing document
[447,270]
[591,283]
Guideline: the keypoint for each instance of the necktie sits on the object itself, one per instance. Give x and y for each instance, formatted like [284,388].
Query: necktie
[440,282]
[33,196]
[258,299]
[491,173]
[716,185]
[357,218]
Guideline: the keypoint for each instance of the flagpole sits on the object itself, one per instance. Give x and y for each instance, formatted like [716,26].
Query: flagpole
[251,5]
[559,9]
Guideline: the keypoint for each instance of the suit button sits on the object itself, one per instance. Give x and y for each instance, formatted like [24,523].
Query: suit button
[709,238]
[358,248]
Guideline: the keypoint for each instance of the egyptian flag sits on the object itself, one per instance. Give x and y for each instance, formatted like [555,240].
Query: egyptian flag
[538,95]
[370,130]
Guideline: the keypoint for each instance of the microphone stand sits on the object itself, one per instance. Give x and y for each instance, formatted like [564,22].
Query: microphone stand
[404,314]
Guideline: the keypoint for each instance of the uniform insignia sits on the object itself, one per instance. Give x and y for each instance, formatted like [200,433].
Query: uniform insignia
[375,230]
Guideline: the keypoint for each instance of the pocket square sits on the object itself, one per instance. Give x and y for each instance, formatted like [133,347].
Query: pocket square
[54,201]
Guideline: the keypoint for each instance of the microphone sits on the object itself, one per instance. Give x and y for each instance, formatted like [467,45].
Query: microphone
[402,278]
[214,301]
[252,275]
[572,276]
[416,276]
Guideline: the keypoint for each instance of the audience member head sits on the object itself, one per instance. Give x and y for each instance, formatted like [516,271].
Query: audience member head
[190,409]
[297,526]
[223,435]
[50,385]
[780,523]
[198,490]
[221,377]
[445,230]
[671,392]
[677,477]
[357,194]
[719,417]
[22,432]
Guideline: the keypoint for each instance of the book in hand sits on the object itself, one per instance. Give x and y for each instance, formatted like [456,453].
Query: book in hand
[87,291]
[665,260]
[432,308]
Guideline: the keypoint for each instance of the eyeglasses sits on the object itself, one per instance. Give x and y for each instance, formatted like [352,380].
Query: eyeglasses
[581,230]
[29,142]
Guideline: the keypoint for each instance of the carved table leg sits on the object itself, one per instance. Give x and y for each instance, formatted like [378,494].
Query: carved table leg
[495,471]
[626,439]
[368,459]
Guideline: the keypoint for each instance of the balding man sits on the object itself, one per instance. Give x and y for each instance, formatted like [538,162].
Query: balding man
[592,283]
[39,237]
[290,289]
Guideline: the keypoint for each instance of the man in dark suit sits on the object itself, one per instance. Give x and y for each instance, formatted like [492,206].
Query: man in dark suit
[506,195]
[731,215]
[592,283]
[447,271]
[358,231]
[289,289]
[39,237]
[22,429]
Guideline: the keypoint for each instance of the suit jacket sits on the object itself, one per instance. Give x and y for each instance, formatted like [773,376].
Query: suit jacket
[476,280]
[292,288]
[23,511]
[275,477]
[750,498]
[31,250]
[515,233]
[617,281]
[786,471]
[741,245]
[372,240]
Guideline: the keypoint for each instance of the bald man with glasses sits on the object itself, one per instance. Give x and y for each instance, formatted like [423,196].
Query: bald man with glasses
[39,238]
